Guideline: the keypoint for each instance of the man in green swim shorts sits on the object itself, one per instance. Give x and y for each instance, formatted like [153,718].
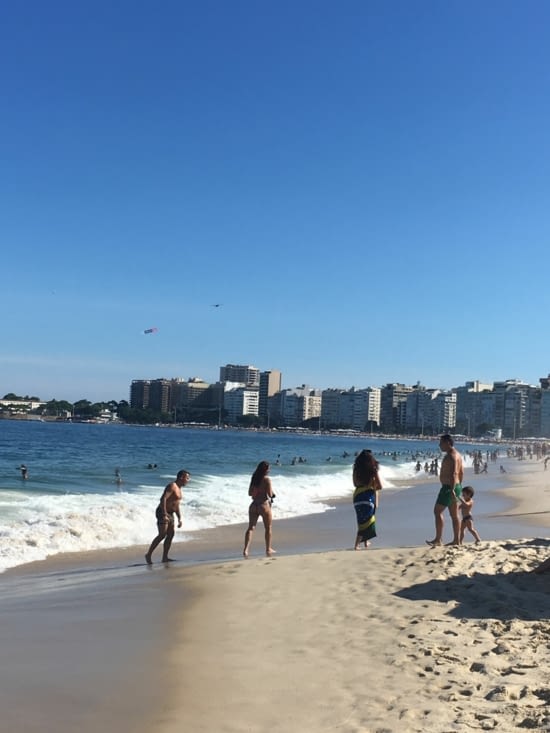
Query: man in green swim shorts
[450,475]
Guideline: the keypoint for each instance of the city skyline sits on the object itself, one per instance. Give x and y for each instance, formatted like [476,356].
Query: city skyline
[246,395]
[350,193]
[27,392]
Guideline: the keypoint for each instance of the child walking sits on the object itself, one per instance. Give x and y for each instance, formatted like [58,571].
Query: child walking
[466,506]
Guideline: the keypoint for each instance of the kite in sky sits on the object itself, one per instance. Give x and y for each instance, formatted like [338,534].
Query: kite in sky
[151,330]
[216,305]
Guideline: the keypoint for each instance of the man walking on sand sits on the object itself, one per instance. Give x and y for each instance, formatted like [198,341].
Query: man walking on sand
[450,475]
[168,506]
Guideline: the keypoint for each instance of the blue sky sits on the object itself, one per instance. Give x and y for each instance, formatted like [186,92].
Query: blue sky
[364,186]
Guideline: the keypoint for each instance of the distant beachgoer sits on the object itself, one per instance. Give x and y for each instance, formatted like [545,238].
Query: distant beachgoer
[451,475]
[365,497]
[168,506]
[24,471]
[502,469]
[118,477]
[466,507]
[261,491]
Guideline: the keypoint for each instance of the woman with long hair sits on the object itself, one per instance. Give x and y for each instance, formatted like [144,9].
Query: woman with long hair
[365,497]
[262,496]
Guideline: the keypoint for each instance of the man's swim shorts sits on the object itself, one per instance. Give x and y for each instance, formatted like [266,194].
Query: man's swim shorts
[445,496]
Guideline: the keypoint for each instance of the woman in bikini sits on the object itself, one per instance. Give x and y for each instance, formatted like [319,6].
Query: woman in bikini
[262,495]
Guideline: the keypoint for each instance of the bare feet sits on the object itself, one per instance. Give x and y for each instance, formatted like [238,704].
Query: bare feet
[433,543]
[245,553]
[167,559]
[452,544]
[270,552]
[148,560]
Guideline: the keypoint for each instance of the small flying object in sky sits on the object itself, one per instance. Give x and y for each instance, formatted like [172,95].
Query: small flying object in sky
[216,305]
[151,330]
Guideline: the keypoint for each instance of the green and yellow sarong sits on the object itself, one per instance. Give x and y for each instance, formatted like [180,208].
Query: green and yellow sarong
[364,503]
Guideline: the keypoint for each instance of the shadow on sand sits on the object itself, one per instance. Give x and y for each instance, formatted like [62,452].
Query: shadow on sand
[507,594]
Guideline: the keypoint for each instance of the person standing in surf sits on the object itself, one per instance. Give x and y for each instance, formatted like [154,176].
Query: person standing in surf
[168,506]
[365,497]
[262,495]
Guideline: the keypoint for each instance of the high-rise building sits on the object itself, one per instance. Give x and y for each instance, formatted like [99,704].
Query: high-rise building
[545,412]
[393,416]
[187,393]
[444,412]
[330,408]
[418,417]
[366,409]
[248,375]
[295,406]
[139,393]
[160,392]
[512,408]
[355,409]
[471,408]
[239,400]
[270,384]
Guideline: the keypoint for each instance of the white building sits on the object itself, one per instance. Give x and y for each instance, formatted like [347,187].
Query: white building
[299,404]
[366,408]
[240,400]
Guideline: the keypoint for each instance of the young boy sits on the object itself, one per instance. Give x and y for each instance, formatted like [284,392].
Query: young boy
[466,506]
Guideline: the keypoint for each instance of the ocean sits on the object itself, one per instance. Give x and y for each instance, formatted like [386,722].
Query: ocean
[72,501]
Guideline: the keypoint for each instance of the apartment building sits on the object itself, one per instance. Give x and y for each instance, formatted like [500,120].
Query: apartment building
[239,400]
[358,409]
[270,384]
[248,375]
[292,407]
[393,398]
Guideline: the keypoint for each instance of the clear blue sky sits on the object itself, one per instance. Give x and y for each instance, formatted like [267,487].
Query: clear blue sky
[364,186]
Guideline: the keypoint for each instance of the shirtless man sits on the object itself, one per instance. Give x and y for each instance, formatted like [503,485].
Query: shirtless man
[168,506]
[450,475]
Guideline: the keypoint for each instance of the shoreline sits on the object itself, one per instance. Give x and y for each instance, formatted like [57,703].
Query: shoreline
[505,508]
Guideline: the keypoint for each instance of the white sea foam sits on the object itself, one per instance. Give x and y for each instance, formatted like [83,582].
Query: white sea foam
[35,527]
[72,503]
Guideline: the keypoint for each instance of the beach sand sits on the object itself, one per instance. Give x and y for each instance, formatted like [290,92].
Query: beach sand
[318,638]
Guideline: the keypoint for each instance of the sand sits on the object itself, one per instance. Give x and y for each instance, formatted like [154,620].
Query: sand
[393,638]
[388,640]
